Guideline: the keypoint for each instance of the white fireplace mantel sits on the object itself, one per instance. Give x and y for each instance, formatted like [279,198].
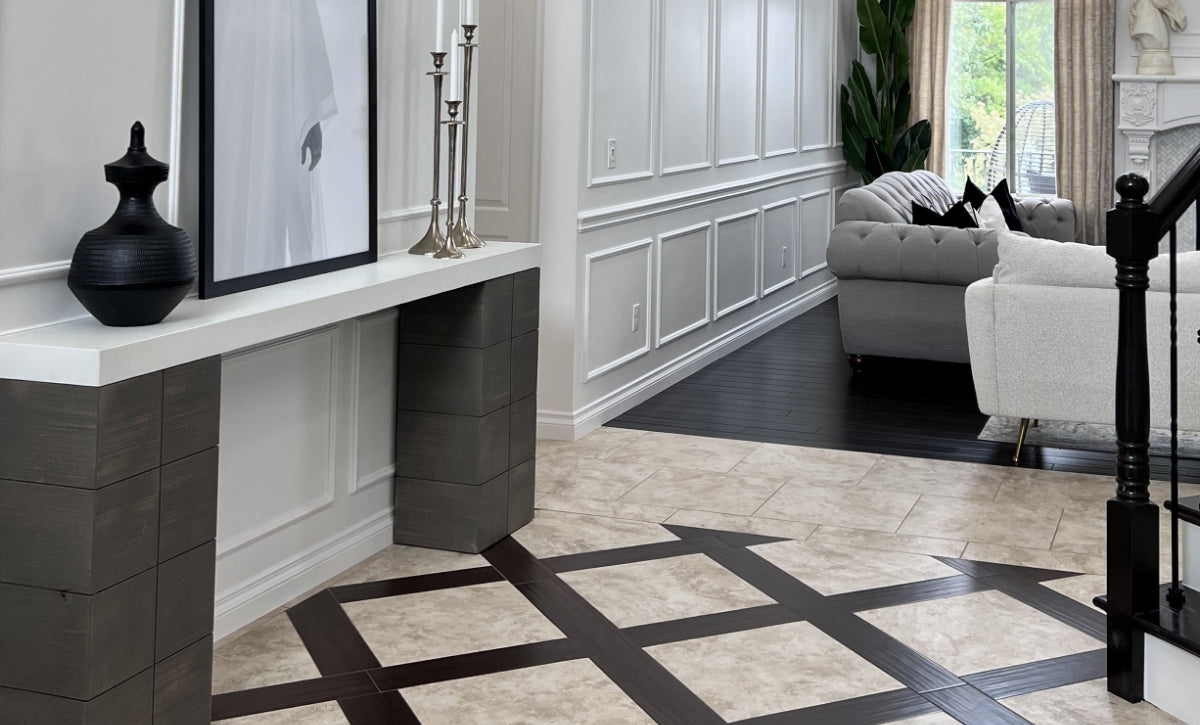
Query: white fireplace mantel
[1148,105]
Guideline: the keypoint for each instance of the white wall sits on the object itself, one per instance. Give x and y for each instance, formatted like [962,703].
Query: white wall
[708,224]
[306,430]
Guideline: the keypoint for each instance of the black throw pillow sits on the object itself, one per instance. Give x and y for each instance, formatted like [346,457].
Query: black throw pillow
[975,196]
[955,216]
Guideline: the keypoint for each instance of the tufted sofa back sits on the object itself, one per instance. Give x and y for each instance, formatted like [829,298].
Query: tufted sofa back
[889,198]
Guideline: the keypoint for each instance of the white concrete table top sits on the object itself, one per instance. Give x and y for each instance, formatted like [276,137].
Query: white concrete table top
[85,352]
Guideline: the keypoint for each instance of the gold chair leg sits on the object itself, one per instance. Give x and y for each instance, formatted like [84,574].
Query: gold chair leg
[1021,439]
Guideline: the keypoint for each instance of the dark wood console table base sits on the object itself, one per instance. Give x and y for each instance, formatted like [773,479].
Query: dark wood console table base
[108,505]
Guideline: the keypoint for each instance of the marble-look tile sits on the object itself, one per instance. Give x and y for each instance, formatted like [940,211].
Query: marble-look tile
[1086,702]
[804,465]
[554,533]
[993,522]
[847,507]
[720,493]
[574,692]
[268,652]
[837,569]
[1082,588]
[941,478]
[742,524]
[860,538]
[937,718]
[398,561]
[600,443]
[664,589]
[716,455]
[427,625]
[1056,489]
[772,669]
[324,713]
[609,509]
[1039,558]
[979,631]
[581,477]
[1081,532]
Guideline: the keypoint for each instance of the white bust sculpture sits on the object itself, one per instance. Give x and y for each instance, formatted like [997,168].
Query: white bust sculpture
[1150,22]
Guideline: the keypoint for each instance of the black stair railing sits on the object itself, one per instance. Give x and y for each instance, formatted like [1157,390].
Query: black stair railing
[1135,228]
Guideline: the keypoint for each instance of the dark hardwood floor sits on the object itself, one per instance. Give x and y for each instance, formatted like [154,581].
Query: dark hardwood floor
[793,385]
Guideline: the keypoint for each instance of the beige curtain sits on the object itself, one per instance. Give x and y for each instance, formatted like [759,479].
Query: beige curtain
[929,48]
[1084,62]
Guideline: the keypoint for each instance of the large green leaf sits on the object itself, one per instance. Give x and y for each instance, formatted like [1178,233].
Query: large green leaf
[903,105]
[903,14]
[863,99]
[915,161]
[900,62]
[875,33]
[854,146]
[878,160]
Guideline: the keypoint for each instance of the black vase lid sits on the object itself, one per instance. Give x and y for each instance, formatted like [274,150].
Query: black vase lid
[136,166]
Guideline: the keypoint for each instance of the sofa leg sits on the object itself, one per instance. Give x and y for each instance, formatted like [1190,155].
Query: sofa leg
[1021,439]
[857,362]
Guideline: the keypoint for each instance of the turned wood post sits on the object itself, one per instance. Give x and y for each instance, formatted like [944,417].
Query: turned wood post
[1132,516]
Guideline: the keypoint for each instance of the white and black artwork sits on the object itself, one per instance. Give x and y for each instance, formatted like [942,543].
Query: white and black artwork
[288,140]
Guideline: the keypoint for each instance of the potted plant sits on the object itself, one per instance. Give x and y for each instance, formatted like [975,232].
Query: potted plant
[876,136]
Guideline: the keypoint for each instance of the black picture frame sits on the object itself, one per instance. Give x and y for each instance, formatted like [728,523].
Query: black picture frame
[210,247]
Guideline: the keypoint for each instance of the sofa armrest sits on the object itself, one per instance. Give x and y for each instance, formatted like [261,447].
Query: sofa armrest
[911,253]
[980,301]
[1048,218]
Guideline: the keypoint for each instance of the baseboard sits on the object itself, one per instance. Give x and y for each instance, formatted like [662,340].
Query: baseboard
[250,599]
[560,425]
[1170,680]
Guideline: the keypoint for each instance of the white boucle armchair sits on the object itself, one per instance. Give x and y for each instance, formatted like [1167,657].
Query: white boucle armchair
[1042,334]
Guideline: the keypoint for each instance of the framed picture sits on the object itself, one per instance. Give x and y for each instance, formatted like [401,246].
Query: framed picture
[288,140]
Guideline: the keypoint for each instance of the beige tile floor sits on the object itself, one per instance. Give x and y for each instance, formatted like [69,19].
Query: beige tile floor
[852,517]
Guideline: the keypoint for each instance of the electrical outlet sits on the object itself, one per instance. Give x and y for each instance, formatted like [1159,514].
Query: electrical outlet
[637,316]
[783,258]
[612,153]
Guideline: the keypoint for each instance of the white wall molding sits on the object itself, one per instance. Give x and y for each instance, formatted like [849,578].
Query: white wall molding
[608,366]
[560,425]
[332,336]
[722,90]
[823,264]
[756,247]
[794,247]
[35,273]
[706,317]
[178,62]
[359,331]
[709,101]
[242,603]
[406,215]
[594,219]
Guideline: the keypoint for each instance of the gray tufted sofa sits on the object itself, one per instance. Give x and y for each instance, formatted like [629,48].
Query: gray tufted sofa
[901,286]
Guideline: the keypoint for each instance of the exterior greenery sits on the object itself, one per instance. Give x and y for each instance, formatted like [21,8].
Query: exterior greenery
[875,132]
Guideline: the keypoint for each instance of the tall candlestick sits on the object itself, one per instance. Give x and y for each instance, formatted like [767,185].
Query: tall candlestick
[433,241]
[461,232]
[450,251]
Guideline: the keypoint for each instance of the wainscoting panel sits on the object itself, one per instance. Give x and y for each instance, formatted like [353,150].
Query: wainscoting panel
[282,429]
[738,89]
[621,66]
[815,225]
[685,129]
[781,57]
[781,245]
[617,307]
[374,399]
[816,78]
[683,291]
[736,273]
[847,47]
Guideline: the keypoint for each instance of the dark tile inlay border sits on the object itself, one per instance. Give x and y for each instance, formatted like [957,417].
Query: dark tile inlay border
[369,693]
[647,682]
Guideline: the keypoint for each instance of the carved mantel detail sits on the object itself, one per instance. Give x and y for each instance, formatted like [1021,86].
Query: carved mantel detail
[1148,106]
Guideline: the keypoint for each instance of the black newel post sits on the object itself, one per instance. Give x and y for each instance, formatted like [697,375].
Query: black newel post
[1132,517]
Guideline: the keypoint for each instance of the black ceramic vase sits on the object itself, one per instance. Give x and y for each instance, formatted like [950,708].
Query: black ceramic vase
[135,268]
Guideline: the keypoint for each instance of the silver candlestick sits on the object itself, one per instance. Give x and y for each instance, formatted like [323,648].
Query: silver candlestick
[450,249]
[463,236]
[433,241]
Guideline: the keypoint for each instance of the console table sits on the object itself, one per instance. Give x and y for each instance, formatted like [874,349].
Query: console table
[108,469]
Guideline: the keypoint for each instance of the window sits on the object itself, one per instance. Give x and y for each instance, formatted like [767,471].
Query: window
[1000,95]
